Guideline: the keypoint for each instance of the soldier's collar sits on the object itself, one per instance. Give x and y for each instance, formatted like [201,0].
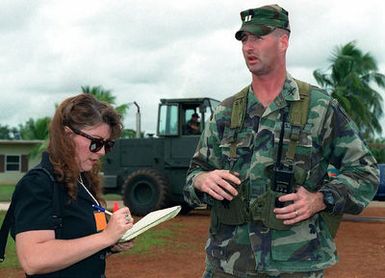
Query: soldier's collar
[290,89]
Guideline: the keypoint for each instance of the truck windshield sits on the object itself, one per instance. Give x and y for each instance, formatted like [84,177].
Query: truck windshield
[168,120]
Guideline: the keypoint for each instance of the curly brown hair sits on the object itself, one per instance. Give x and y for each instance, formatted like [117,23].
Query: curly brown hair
[80,111]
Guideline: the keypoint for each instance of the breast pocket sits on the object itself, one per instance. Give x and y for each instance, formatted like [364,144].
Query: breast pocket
[239,151]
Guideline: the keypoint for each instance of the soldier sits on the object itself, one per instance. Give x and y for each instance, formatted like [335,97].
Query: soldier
[193,125]
[261,166]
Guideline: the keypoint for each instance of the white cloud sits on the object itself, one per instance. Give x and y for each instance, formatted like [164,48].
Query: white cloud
[146,50]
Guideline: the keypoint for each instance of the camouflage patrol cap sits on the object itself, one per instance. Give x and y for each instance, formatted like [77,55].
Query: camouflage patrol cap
[263,20]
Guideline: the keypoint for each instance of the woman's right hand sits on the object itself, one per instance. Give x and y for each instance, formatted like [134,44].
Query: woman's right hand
[120,221]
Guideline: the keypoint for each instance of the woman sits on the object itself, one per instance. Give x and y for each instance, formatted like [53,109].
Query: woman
[81,132]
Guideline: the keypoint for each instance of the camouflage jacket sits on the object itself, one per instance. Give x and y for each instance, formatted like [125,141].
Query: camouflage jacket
[329,137]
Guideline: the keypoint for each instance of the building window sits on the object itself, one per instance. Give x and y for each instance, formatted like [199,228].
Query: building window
[12,163]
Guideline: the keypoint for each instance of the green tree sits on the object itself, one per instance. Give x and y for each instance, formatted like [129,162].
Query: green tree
[38,129]
[350,80]
[105,95]
[35,129]
[5,132]
[377,146]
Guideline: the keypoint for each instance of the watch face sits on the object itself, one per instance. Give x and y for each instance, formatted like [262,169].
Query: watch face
[329,198]
[329,201]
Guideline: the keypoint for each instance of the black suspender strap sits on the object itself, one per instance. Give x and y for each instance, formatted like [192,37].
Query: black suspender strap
[56,215]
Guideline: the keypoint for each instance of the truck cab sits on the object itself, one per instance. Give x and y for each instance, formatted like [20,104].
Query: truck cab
[150,172]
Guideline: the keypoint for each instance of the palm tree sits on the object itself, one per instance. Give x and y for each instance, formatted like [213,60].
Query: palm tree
[377,146]
[35,129]
[38,129]
[5,132]
[105,95]
[350,79]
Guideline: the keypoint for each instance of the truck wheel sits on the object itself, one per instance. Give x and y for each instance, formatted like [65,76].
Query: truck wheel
[145,190]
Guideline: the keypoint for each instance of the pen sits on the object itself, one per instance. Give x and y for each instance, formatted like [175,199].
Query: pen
[102,209]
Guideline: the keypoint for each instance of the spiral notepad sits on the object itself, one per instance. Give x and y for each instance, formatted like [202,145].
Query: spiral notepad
[150,220]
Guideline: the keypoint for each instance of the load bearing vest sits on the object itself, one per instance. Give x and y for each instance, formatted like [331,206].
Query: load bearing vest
[239,211]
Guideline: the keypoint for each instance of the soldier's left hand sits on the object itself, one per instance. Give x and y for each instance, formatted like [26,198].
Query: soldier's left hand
[304,204]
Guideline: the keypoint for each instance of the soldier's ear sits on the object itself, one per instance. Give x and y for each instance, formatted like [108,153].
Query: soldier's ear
[284,42]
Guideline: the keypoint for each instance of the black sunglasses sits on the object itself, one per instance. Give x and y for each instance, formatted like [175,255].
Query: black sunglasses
[96,143]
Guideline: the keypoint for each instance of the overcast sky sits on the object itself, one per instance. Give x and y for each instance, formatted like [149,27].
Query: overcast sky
[145,50]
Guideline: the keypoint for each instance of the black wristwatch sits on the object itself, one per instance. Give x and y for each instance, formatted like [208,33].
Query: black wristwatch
[329,200]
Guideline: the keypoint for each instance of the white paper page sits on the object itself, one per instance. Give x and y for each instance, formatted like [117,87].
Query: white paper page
[150,220]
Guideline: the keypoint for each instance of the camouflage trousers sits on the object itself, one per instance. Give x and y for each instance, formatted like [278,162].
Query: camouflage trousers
[209,273]
[312,274]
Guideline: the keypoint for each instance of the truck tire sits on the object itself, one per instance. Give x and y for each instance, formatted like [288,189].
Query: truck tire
[145,190]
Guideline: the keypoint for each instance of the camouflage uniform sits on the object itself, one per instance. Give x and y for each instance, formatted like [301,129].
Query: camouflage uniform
[329,136]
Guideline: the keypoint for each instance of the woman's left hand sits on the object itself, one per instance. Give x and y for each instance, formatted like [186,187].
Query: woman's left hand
[122,246]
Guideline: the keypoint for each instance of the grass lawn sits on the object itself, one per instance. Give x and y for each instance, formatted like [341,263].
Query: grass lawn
[112,197]
[10,252]
[6,191]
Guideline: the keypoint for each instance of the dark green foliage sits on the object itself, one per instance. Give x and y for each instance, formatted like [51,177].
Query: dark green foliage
[350,80]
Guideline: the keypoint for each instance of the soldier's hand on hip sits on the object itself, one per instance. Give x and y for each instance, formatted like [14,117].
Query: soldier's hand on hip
[304,205]
[218,183]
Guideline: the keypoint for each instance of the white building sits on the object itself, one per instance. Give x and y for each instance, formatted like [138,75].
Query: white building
[15,159]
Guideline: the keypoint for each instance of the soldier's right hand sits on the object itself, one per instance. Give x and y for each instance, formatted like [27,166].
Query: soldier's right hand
[218,183]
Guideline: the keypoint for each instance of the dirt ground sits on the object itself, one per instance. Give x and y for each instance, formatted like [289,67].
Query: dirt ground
[361,247]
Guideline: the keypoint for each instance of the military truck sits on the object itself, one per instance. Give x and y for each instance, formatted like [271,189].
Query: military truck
[150,172]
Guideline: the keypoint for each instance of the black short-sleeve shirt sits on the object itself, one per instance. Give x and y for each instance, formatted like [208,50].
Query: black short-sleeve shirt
[33,199]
